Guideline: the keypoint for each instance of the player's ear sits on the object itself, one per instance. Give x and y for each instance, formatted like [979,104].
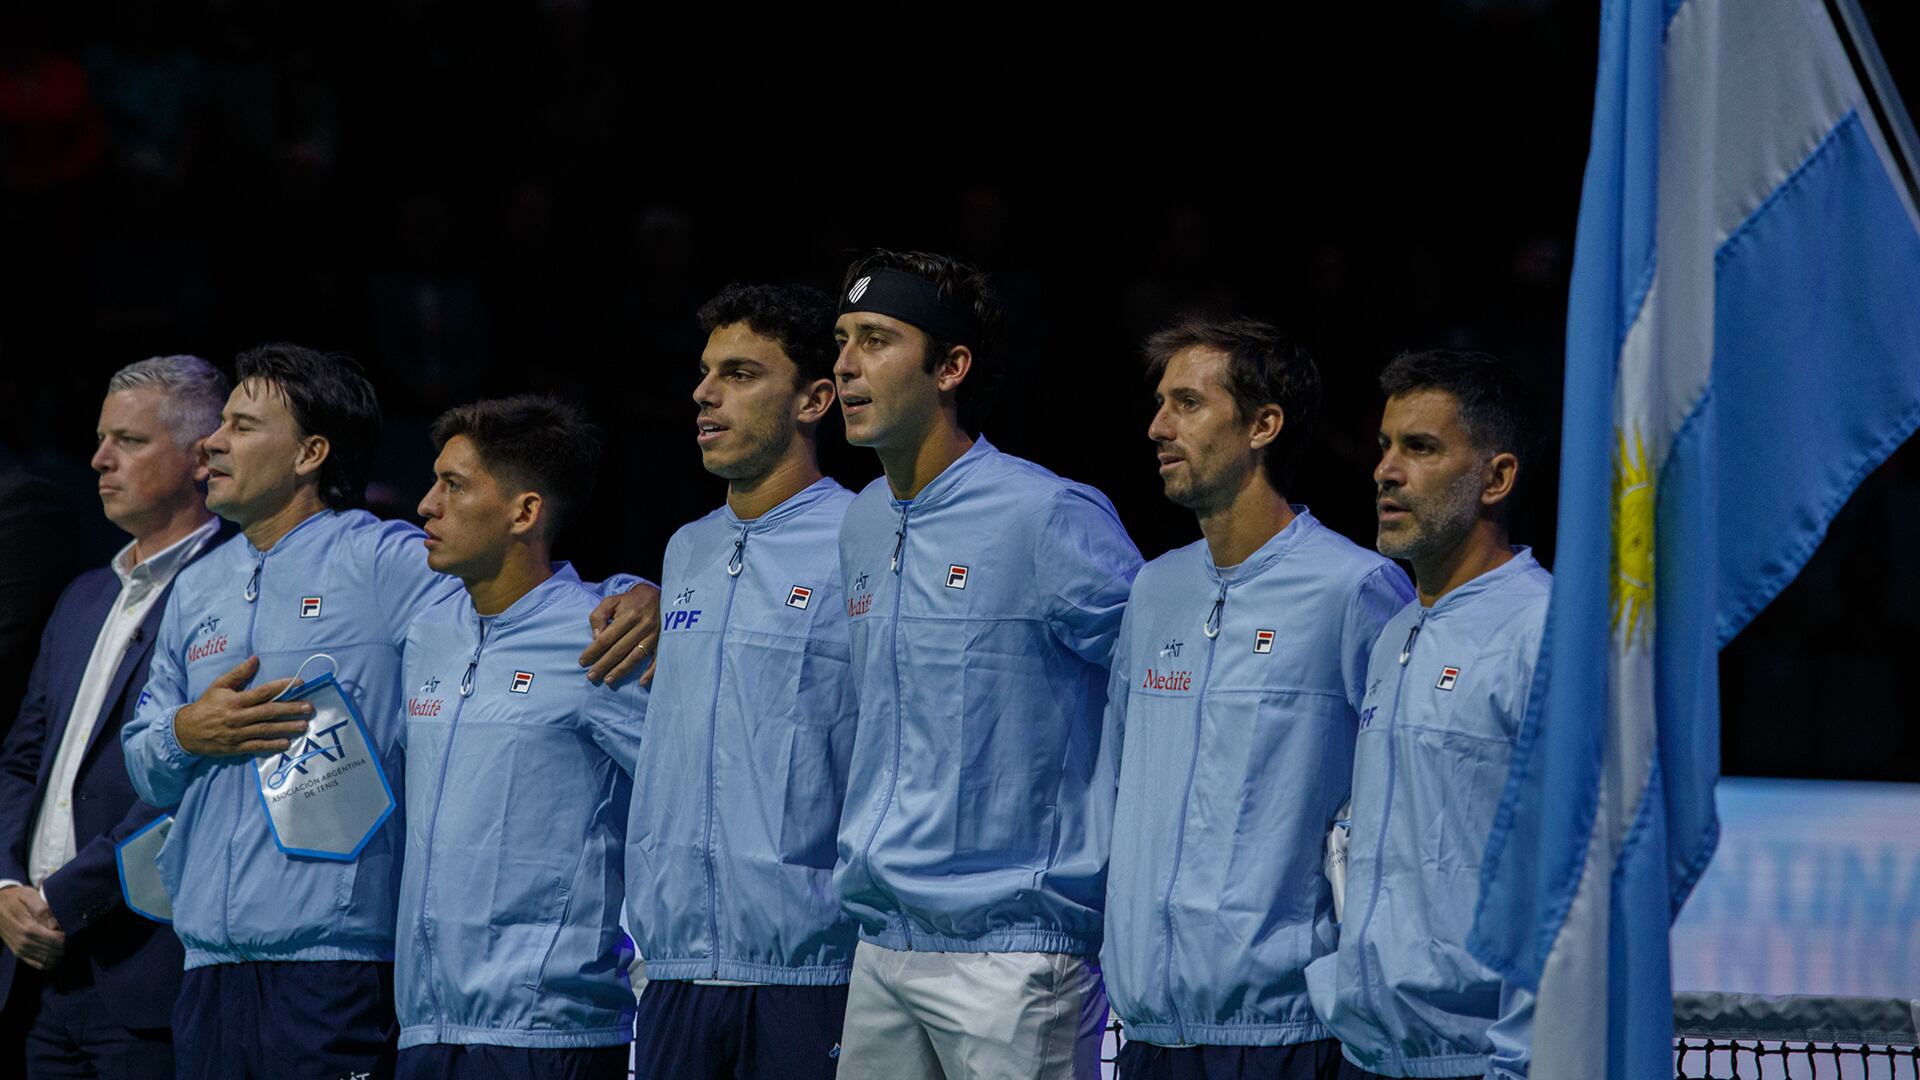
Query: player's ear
[1501,474]
[529,513]
[816,401]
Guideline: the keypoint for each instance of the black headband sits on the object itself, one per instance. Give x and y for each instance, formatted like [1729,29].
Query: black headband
[910,299]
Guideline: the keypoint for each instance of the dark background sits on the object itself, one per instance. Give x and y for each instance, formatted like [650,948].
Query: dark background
[479,199]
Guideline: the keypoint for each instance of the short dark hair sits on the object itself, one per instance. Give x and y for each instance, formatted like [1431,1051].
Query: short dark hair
[1495,408]
[328,395]
[1263,366]
[799,318]
[541,442]
[973,291]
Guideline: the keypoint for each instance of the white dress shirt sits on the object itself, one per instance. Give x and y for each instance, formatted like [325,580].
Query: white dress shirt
[54,843]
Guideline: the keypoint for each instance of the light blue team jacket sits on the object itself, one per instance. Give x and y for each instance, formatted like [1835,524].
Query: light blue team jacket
[518,782]
[1446,692]
[345,584]
[1232,710]
[983,615]
[730,846]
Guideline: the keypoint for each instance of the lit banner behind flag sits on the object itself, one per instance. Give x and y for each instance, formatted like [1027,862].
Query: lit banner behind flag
[1743,346]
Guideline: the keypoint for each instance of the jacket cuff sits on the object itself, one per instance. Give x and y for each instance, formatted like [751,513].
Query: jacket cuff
[170,750]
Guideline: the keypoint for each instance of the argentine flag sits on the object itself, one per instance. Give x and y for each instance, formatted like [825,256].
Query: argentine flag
[1743,346]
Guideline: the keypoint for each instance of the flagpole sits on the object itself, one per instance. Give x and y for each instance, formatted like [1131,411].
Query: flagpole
[1870,68]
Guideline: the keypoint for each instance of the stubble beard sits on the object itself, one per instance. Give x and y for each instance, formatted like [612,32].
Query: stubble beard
[1440,522]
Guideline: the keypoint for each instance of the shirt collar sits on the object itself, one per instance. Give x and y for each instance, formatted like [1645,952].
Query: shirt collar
[159,568]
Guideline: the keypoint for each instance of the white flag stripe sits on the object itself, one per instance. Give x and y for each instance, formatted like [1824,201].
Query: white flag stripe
[1748,92]
[1783,82]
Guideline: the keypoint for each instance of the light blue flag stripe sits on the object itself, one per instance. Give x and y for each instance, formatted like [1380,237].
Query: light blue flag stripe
[1815,379]
[1524,899]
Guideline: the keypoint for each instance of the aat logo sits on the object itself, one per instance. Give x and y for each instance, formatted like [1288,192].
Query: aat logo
[423,705]
[324,744]
[862,601]
[1172,648]
[210,642]
[686,594]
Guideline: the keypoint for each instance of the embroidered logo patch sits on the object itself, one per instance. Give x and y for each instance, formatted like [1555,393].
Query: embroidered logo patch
[799,597]
[1448,676]
[522,682]
[956,577]
[1263,641]
[309,607]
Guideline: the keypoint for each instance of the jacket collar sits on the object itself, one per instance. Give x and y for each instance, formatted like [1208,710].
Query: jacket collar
[296,536]
[794,505]
[1275,549]
[564,575]
[1489,582]
[953,475]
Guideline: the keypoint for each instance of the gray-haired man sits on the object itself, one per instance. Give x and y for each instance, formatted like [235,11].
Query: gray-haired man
[90,983]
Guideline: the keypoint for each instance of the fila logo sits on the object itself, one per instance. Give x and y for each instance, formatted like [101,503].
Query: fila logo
[309,607]
[522,682]
[686,594]
[1448,676]
[859,289]
[956,577]
[799,597]
[1263,641]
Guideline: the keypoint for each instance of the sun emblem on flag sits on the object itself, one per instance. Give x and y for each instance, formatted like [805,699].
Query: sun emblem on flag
[1633,538]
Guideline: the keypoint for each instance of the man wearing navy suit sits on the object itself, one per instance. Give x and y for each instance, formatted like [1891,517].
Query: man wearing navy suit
[87,983]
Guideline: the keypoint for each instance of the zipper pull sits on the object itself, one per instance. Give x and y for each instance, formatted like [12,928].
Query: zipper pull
[1214,617]
[1407,649]
[253,583]
[899,541]
[738,560]
[473,665]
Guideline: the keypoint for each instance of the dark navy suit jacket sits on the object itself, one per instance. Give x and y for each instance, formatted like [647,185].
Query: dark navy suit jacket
[136,962]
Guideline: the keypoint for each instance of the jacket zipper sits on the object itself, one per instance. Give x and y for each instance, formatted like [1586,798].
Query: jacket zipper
[1211,627]
[899,726]
[251,594]
[433,823]
[735,563]
[1386,812]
